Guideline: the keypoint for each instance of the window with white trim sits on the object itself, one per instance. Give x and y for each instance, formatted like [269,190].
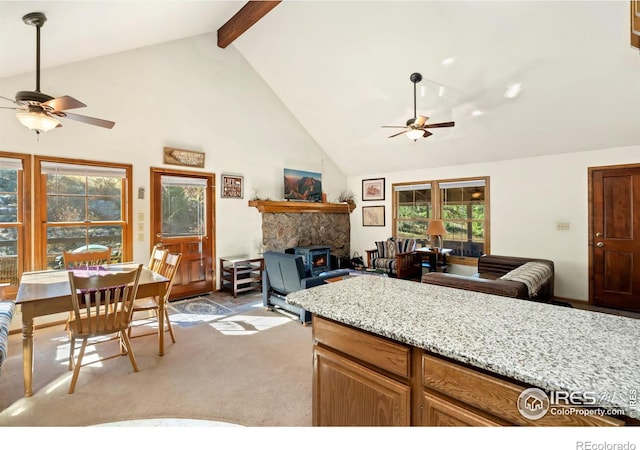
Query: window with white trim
[463,212]
[14,224]
[85,206]
[462,205]
[413,209]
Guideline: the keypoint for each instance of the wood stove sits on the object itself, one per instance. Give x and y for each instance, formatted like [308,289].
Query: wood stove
[317,258]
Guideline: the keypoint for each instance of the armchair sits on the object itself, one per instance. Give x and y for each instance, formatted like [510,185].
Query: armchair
[284,273]
[397,257]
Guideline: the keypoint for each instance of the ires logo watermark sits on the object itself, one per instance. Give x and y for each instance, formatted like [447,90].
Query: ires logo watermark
[534,403]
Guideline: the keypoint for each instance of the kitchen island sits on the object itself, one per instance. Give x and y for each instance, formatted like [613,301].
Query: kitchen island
[397,352]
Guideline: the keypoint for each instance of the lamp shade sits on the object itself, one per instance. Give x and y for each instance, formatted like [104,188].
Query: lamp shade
[36,120]
[436,228]
[414,135]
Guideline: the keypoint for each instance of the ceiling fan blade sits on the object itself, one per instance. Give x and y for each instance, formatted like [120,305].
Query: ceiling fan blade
[426,134]
[420,120]
[392,126]
[398,134]
[9,99]
[90,120]
[10,107]
[440,125]
[63,103]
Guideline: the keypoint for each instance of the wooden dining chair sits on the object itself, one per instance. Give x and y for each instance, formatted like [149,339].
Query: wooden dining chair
[86,259]
[156,260]
[102,306]
[168,269]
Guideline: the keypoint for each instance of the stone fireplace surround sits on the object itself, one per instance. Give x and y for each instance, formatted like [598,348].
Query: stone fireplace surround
[310,224]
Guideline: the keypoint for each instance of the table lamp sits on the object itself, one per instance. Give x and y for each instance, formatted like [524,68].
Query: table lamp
[436,228]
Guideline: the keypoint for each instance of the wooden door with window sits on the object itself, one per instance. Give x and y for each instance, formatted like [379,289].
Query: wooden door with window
[614,241]
[182,221]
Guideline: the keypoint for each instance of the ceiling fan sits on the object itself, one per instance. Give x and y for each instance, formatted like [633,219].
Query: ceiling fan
[416,127]
[40,112]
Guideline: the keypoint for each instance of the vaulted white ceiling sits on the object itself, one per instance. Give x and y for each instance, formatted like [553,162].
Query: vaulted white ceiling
[342,69]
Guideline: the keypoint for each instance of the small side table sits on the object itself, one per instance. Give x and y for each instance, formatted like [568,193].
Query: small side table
[241,273]
[434,259]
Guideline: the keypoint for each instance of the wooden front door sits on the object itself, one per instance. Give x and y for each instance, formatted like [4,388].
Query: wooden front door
[615,237]
[182,221]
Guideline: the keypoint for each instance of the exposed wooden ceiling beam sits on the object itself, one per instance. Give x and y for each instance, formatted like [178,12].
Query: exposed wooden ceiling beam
[244,19]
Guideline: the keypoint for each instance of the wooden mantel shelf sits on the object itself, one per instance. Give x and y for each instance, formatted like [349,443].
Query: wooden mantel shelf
[267,206]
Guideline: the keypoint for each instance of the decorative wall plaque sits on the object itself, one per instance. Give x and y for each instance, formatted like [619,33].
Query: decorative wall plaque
[179,157]
[232,186]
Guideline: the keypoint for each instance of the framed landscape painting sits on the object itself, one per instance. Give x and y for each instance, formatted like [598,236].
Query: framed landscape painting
[302,186]
[373,216]
[373,189]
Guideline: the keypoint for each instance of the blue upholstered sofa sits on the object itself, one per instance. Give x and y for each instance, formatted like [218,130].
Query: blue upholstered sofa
[7,309]
[285,273]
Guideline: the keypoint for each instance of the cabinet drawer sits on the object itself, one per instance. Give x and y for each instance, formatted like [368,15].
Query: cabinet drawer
[439,412]
[377,351]
[493,395]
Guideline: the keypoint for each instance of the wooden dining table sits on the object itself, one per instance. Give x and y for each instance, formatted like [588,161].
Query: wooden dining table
[48,292]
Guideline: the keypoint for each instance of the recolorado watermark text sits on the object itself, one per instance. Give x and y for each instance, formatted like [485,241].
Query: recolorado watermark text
[589,445]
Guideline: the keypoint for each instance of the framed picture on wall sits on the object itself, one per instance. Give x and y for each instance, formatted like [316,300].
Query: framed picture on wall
[232,186]
[373,216]
[373,189]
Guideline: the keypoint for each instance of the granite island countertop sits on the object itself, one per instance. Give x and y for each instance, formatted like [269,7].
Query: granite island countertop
[551,347]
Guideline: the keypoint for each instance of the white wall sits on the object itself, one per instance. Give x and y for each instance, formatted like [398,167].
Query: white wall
[528,197]
[187,94]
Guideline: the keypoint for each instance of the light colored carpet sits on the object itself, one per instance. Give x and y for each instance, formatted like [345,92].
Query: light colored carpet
[253,368]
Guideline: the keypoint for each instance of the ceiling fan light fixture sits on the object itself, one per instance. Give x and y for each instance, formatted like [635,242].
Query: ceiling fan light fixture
[416,127]
[414,135]
[37,121]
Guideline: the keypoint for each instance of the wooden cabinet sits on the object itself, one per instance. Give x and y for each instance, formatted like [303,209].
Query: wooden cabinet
[349,394]
[442,412]
[363,379]
[240,274]
[353,385]
[490,396]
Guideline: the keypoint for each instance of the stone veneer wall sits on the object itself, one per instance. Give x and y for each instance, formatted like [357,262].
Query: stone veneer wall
[285,230]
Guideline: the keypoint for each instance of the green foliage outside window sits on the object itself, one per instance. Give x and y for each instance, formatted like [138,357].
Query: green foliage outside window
[183,210]
[461,205]
[8,212]
[414,211]
[73,198]
[88,210]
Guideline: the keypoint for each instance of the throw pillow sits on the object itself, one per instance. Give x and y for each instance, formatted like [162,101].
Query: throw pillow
[392,248]
[406,245]
[381,246]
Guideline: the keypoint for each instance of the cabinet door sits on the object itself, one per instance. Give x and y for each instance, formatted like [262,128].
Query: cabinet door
[346,393]
[439,412]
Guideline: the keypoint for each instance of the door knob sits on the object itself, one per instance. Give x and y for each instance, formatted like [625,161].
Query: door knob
[599,244]
[158,244]
[598,234]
